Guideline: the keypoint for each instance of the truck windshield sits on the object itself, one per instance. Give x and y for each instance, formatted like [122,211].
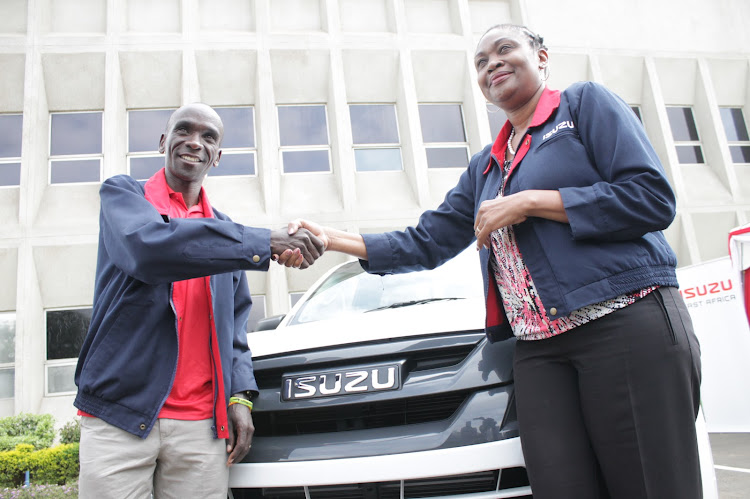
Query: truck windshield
[350,290]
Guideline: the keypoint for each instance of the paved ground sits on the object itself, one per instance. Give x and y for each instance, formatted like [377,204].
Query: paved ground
[731,452]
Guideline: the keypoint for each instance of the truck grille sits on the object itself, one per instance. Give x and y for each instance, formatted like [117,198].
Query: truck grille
[359,416]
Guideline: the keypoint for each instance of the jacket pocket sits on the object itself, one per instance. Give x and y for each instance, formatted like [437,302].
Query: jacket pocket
[662,306]
[569,133]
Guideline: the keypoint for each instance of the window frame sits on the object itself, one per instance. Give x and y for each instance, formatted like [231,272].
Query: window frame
[74,157]
[139,154]
[232,151]
[736,143]
[67,362]
[638,111]
[255,305]
[447,145]
[9,160]
[11,365]
[378,145]
[305,148]
[687,143]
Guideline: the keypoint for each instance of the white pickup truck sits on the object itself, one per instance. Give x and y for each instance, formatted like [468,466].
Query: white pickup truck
[385,387]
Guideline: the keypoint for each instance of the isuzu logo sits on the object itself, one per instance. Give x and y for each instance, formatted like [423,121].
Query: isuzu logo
[343,382]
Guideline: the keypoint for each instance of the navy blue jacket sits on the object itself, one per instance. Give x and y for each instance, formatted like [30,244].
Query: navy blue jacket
[129,357]
[588,144]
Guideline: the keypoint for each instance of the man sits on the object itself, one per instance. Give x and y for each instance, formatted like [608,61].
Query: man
[165,374]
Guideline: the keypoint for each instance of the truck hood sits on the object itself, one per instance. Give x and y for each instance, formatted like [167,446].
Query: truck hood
[416,320]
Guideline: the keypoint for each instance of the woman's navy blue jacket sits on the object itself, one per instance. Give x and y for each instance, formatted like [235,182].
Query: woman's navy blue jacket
[588,144]
[129,357]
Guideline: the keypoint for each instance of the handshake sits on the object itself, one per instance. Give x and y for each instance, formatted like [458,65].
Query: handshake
[300,245]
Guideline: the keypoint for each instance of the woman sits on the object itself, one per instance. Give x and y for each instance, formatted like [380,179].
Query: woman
[567,207]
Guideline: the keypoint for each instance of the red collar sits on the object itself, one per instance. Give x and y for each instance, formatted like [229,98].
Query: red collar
[548,102]
[158,193]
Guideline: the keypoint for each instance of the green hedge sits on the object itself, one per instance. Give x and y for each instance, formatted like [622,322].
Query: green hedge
[56,465]
[37,430]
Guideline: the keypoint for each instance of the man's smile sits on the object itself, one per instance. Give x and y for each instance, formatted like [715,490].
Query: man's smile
[191,159]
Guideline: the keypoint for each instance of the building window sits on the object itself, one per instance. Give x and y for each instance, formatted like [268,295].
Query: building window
[303,131]
[497,119]
[375,136]
[66,330]
[444,135]
[257,312]
[7,354]
[685,134]
[238,144]
[75,147]
[11,132]
[637,111]
[145,128]
[736,130]
[294,298]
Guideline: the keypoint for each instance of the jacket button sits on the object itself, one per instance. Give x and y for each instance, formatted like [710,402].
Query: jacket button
[553,311]
[142,427]
[256,259]
[222,428]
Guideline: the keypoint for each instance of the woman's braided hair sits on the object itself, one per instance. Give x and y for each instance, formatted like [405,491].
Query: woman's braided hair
[536,41]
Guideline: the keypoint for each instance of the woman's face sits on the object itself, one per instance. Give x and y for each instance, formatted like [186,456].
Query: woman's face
[508,68]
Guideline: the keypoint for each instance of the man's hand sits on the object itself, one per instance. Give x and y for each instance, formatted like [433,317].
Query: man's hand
[290,258]
[241,431]
[299,249]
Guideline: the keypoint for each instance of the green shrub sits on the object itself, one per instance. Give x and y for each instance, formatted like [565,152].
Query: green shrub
[56,465]
[34,429]
[13,465]
[70,432]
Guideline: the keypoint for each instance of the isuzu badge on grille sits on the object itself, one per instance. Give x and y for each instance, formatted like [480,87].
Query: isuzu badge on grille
[344,382]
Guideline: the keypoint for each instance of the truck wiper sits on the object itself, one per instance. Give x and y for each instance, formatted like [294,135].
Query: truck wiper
[409,303]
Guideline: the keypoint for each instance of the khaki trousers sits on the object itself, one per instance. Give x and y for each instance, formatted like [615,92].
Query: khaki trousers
[178,459]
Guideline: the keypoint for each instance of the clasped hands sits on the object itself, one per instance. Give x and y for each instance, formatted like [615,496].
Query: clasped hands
[298,247]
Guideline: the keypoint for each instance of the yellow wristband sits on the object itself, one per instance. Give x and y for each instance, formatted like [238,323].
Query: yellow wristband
[237,400]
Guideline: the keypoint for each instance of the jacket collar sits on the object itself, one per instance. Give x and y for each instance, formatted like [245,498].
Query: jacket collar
[549,101]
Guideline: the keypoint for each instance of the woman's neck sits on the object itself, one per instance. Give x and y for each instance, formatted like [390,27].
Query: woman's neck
[521,117]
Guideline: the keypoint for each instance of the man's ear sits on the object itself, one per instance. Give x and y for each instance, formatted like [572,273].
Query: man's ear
[543,58]
[161,143]
[216,162]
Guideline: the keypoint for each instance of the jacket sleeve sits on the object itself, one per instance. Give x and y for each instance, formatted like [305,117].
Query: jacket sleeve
[439,235]
[151,250]
[634,196]
[242,378]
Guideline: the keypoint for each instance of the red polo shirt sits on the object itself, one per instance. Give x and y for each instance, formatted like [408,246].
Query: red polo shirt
[191,397]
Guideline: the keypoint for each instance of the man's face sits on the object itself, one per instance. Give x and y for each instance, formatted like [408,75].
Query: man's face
[191,143]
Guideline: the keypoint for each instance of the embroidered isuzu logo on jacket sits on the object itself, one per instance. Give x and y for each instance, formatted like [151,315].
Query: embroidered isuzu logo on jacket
[560,126]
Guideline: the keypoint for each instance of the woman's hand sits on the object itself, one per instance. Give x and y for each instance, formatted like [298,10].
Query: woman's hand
[497,213]
[503,211]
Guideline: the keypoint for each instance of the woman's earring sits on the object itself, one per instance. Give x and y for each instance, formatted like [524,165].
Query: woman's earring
[544,70]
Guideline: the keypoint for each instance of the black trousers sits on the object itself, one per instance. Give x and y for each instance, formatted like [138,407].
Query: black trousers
[607,410]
